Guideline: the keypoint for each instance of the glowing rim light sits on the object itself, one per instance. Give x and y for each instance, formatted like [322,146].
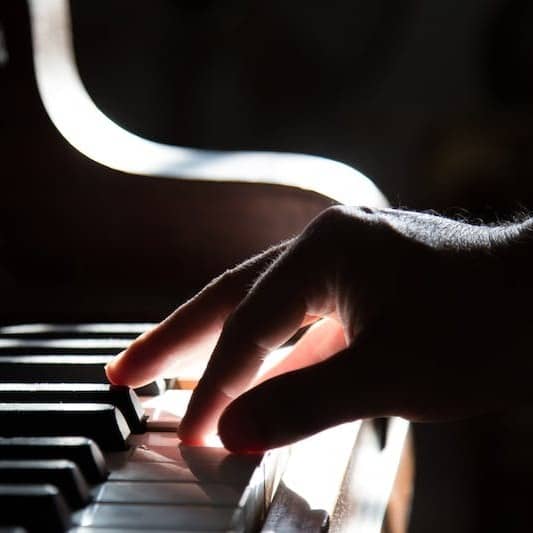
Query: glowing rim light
[85,127]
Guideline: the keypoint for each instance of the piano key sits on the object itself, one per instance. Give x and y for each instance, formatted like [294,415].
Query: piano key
[249,496]
[167,493]
[182,464]
[65,475]
[155,388]
[122,530]
[143,471]
[34,507]
[80,450]
[148,517]
[63,369]
[159,457]
[23,346]
[122,397]
[53,368]
[155,447]
[89,330]
[100,422]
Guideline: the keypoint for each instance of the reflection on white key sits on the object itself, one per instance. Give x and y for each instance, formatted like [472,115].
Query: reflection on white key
[165,411]
[171,517]
[234,489]
[167,493]
[313,468]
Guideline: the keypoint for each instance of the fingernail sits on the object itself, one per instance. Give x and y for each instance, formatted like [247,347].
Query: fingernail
[241,431]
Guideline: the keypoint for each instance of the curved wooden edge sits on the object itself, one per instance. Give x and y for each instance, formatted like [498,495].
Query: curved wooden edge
[85,127]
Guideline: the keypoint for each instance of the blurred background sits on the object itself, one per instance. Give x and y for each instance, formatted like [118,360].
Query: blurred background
[432,100]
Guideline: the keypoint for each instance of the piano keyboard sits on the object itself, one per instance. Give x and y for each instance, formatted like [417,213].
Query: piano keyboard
[77,454]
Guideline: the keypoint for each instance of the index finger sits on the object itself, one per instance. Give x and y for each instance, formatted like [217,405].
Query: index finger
[192,329]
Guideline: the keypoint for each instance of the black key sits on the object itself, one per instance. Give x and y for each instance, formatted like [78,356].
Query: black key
[53,368]
[122,397]
[63,369]
[100,422]
[34,507]
[80,450]
[152,389]
[97,330]
[64,475]
[16,346]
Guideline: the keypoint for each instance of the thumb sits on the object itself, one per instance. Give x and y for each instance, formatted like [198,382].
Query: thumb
[297,404]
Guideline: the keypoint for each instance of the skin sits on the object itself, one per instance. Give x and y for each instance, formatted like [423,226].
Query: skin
[411,315]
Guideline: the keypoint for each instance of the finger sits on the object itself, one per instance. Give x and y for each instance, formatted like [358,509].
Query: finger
[298,404]
[270,314]
[322,340]
[192,330]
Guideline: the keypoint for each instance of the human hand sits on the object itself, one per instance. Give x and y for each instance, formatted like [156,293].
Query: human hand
[407,320]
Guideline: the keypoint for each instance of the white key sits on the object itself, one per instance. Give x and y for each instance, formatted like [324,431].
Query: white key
[149,517]
[167,493]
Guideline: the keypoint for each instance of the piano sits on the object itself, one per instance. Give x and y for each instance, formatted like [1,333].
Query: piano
[102,233]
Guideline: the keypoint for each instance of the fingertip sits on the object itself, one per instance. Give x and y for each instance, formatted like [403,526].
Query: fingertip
[203,411]
[112,374]
[189,432]
[241,431]
[132,368]
[188,439]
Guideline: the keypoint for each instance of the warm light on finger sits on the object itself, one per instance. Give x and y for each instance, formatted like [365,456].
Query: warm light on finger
[322,340]
[271,362]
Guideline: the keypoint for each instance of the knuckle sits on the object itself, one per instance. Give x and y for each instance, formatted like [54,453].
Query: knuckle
[341,218]
[339,226]
[333,217]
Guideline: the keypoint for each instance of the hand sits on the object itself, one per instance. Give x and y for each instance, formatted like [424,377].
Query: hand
[407,320]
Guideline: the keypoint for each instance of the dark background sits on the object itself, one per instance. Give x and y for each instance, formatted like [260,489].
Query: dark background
[432,100]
